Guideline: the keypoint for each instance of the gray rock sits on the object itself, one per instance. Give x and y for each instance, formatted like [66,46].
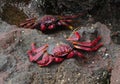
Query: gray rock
[21,78]
[15,63]
[3,62]
[115,77]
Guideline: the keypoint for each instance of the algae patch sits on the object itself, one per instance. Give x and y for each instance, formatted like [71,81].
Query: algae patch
[13,15]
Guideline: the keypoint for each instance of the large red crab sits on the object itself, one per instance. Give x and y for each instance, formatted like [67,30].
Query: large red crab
[45,55]
[49,22]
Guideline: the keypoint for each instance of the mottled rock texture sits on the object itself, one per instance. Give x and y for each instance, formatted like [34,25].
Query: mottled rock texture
[15,67]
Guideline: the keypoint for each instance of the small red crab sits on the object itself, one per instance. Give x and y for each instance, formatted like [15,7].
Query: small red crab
[49,22]
[46,54]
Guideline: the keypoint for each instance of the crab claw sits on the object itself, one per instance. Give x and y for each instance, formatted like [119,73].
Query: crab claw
[75,53]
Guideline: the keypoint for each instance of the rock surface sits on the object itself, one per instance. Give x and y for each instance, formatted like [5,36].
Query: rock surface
[15,67]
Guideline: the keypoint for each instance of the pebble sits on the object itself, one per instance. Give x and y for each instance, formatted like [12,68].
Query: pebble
[106,56]
[109,24]
[21,40]
[49,38]
[68,79]
[62,81]
[15,39]
[116,80]
[23,31]
[97,78]
[92,27]
[93,62]
[78,74]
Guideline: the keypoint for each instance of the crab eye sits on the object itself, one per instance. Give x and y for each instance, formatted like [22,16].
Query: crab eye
[42,27]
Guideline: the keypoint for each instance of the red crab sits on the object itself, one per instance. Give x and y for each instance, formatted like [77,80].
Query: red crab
[46,54]
[49,22]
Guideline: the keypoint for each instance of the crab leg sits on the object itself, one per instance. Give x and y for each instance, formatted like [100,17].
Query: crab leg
[33,57]
[48,59]
[71,16]
[29,25]
[58,60]
[80,54]
[28,21]
[34,26]
[88,44]
[37,50]
[75,53]
[51,26]
[74,38]
[29,52]
[87,48]
[65,24]
[68,21]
